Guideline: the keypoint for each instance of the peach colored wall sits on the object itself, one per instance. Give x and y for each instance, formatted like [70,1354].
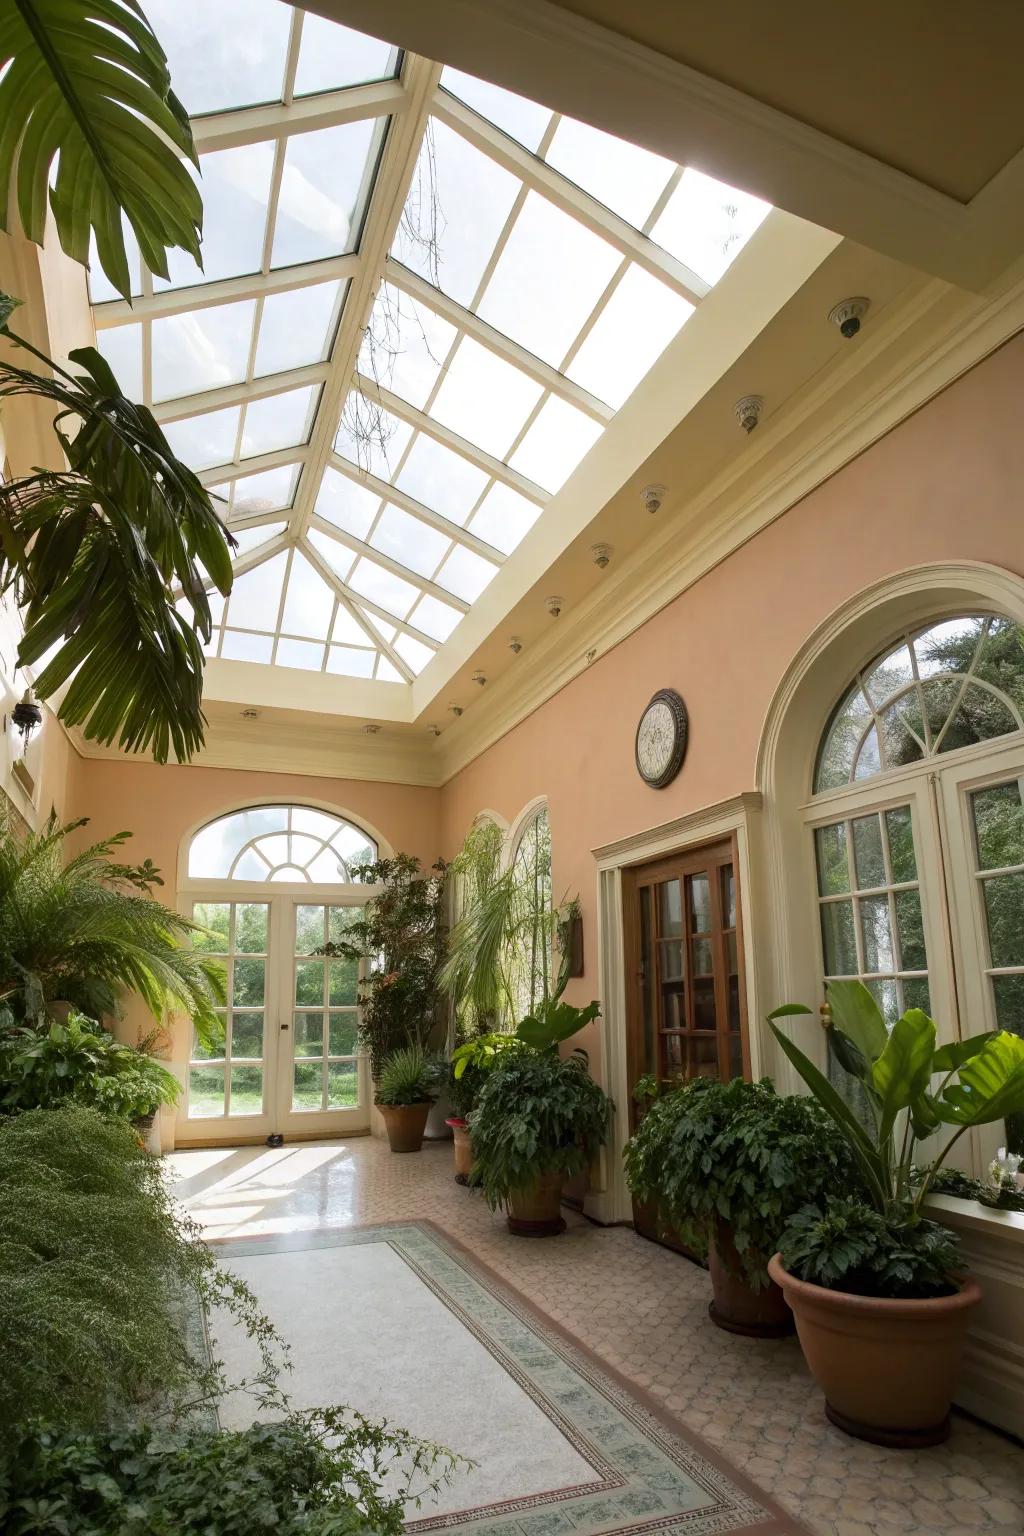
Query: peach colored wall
[159,805]
[944,485]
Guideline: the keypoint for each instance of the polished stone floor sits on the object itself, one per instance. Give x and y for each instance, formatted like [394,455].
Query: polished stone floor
[643,1310]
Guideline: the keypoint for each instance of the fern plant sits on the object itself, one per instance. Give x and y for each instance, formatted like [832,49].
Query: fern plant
[85,931]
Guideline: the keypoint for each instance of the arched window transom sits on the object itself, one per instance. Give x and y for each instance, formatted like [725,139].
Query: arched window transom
[950,685]
[279,843]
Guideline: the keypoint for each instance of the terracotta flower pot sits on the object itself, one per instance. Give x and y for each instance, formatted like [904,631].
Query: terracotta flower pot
[536,1210]
[888,1369]
[737,1307]
[463,1148]
[405,1124]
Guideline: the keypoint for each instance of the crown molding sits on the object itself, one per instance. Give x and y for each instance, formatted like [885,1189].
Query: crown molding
[933,337]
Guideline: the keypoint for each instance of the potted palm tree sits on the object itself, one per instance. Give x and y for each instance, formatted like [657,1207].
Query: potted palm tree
[725,1165]
[405,1091]
[878,1291]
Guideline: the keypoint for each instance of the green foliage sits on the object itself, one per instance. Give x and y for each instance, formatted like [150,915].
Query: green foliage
[327,1472]
[403,935]
[960,1186]
[47,1064]
[554,1022]
[407,1076]
[87,82]
[979,1080]
[536,1113]
[736,1153]
[83,931]
[96,1266]
[849,1246]
[94,556]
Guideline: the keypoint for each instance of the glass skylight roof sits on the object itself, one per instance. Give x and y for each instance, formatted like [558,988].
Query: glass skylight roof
[381,448]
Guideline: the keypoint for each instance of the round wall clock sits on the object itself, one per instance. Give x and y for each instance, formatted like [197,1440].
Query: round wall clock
[661,739]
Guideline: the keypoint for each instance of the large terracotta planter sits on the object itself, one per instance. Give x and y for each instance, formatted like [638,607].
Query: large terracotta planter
[405,1124]
[736,1306]
[463,1148]
[536,1210]
[888,1369]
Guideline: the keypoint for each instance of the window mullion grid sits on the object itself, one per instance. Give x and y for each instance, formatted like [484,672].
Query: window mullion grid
[280,607]
[229,1021]
[858,937]
[965,679]
[324,1017]
[897,942]
[908,641]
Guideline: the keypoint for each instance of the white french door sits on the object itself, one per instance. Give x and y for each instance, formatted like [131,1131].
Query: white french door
[288,1062]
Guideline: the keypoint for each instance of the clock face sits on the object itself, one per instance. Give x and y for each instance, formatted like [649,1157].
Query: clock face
[661,739]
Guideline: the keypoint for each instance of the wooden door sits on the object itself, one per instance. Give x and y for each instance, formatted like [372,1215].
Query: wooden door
[686,1002]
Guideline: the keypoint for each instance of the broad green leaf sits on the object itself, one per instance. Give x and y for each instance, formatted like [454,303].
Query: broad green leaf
[858,1015]
[924,1116]
[990,1085]
[84,83]
[904,1069]
[788,1011]
[949,1057]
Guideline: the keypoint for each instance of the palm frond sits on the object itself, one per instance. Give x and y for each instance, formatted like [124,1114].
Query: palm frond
[85,82]
[94,555]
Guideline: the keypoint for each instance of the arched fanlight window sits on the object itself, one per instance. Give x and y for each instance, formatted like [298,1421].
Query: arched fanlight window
[534,923]
[950,685]
[278,843]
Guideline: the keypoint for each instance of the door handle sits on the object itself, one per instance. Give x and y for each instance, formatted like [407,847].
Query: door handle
[284,1026]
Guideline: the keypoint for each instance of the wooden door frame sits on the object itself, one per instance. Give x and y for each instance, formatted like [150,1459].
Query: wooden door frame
[609,1199]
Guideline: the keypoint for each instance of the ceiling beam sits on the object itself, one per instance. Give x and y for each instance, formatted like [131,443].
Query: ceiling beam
[449,439]
[228,290]
[241,393]
[328,109]
[217,474]
[416,508]
[495,341]
[389,563]
[347,598]
[571,199]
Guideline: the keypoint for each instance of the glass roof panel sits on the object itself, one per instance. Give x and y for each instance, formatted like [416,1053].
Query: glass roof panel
[122,348]
[549,276]
[101,291]
[707,223]
[256,596]
[386,673]
[206,440]
[299,653]
[504,517]
[346,504]
[345,661]
[383,587]
[466,574]
[202,349]
[555,444]
[309,601]
[484,399]
[231,54]
[338,556]
[405,345]
[332,56]
[629,335]
[624,177]
[297,327]
[236,646]
[251,538]
[415,544]
[435,618]
[517,116]
[441,479]
[235,184]
[475,196]
[278,421]
[271,490]
[413,652]
[370,436]
[323,191]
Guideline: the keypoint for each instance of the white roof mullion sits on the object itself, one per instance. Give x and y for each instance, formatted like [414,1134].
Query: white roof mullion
[174,301]
[496,341]
[349,600]
[238,394]
[389,563]
[416,509]
[544,179]
[254,465]
[327,109]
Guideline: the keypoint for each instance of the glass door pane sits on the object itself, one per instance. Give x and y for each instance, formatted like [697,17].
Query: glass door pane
[325,1018]
[228,1081]
[997,815]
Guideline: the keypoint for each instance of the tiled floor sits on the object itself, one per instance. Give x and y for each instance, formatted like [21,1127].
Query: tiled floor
[644,1310]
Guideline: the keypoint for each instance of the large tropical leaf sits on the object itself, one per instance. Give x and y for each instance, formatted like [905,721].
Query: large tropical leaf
[86,83]
[858,1015]
[903,1071]
[94,555]
[990,1085]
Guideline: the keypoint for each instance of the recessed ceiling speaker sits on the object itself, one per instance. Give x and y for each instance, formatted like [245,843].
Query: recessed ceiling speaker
[748,411]
[652,497]
[848,314]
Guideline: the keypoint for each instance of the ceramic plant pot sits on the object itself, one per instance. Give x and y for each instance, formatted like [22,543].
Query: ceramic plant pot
[736,1306]
[463,1148]
[536,1210]
[405,1124]
[888,1369]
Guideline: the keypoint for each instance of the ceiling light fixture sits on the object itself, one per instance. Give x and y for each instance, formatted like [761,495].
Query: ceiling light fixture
[479,678]
[601,555]
[553,606]
[848,314]
[27,716]
[455,709]
[748,411]
[515,646]
[371,729]
[652,497]
[249,714]
[434,730]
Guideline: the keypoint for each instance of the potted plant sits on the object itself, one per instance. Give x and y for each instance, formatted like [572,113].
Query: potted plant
[405,1092]
[725,1165]
[878,1292]
[539,1119]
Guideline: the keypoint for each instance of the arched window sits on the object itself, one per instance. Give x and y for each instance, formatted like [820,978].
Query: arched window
[535,917]
[280,842]
[917,824]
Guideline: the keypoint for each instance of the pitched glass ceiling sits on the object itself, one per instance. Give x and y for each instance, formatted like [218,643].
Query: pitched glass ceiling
[423,299]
